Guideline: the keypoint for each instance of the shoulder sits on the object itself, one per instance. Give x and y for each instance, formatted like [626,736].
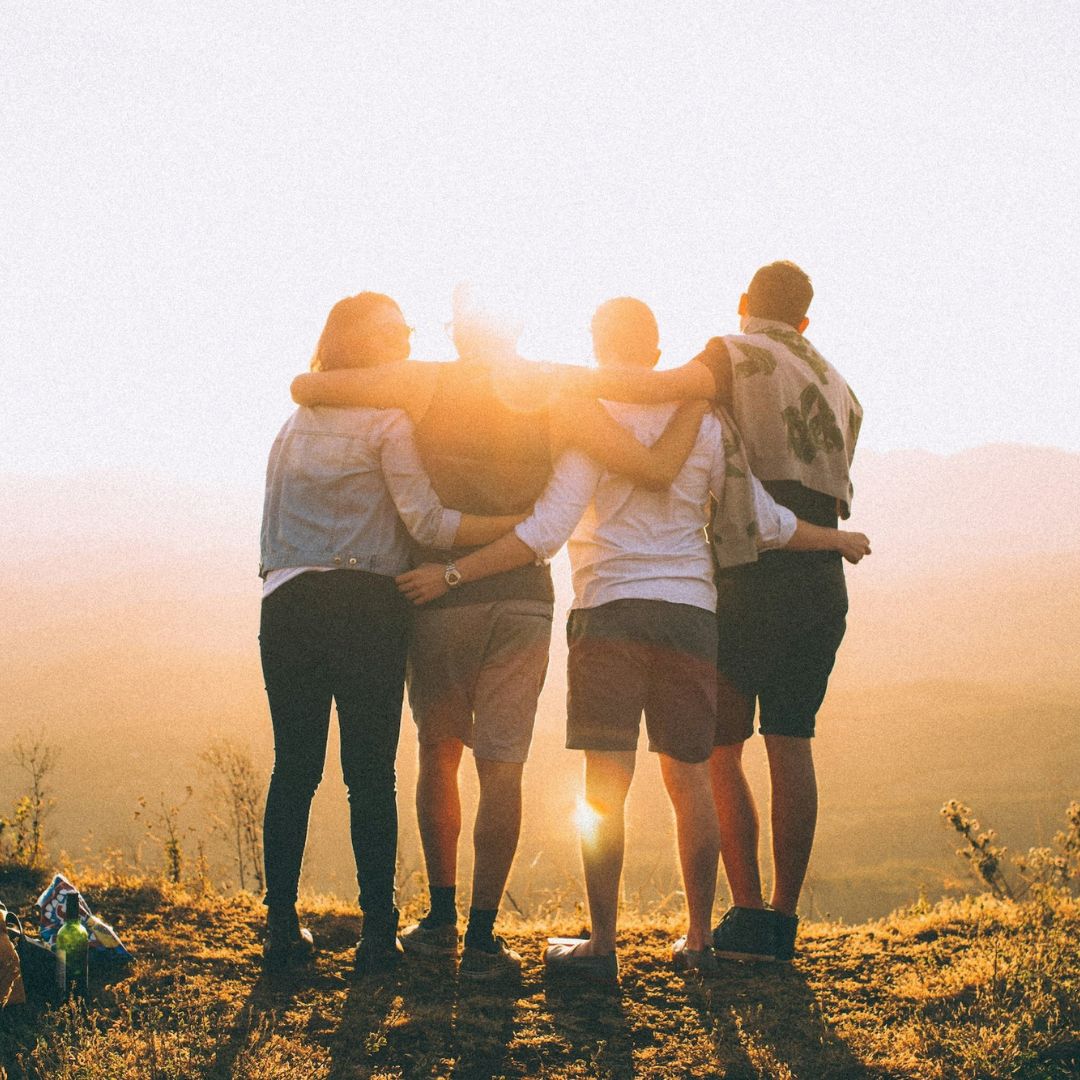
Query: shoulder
[715,355]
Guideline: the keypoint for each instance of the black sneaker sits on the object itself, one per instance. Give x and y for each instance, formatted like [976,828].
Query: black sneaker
[784,929]
[379,948]
[377,955]
[286,947]
[440,939]
[746,934]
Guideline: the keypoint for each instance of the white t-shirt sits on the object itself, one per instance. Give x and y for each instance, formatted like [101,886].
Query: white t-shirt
[629,543]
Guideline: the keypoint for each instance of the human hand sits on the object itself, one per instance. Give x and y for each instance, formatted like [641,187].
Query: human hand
[852,545]
[424,584]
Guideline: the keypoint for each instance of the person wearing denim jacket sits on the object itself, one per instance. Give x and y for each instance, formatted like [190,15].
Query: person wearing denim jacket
[344,489]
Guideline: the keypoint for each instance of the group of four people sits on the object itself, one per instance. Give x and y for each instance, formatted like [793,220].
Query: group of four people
[491,463]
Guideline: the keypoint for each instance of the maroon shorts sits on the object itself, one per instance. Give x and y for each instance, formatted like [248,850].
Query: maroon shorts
[633,656]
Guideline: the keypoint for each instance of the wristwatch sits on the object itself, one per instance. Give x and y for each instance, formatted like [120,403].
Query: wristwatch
[452,576]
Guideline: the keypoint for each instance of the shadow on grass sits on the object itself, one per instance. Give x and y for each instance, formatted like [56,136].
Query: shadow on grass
[484,1030]
[271,997]
[767,1020]
[267,995]
[375,1031]
[593,1021]
[421,1020]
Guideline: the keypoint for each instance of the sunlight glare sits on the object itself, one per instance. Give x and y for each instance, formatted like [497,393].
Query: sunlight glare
[587,820]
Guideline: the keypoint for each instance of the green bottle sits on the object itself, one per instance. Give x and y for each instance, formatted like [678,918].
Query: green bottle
[72,951]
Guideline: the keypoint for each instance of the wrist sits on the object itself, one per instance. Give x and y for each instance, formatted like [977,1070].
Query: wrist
[452,576]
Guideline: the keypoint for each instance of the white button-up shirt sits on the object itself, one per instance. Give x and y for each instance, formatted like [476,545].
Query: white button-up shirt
[629,543]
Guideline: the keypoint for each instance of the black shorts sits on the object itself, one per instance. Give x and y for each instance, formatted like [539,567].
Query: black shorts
[780,622]
[632,656]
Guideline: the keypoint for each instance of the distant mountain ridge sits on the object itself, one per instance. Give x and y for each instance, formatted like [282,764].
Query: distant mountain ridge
[130,609]
[993,531]
[990,502]
[915,501]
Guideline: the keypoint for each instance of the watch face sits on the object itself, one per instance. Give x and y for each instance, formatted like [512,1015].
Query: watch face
[452,576]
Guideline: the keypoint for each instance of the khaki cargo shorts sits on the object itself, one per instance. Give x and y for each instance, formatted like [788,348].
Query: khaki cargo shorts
[475,674]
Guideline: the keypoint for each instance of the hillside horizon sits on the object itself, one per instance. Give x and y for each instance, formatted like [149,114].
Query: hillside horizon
[130,610]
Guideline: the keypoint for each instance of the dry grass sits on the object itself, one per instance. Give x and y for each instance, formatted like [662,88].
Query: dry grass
[979,988]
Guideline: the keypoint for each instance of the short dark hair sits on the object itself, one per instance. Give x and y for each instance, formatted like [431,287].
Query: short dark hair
[623,327]
[780,291]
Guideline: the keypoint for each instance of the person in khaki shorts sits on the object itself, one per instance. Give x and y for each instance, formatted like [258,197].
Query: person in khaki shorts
[479,655]
[642,634]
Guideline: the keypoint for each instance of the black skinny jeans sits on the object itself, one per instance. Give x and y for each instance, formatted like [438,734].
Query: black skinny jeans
[340,635]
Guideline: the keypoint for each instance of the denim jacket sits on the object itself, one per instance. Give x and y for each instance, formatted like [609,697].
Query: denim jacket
[336,482]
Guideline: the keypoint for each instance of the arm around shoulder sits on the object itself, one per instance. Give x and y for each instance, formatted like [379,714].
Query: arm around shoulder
[641,387]
[406,385]
[587,426]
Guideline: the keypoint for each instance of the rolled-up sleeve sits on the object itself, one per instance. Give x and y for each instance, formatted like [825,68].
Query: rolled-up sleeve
[428,521]
[776,523]
[560,505]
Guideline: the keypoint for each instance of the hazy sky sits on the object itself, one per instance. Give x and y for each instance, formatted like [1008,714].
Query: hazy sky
[188,188]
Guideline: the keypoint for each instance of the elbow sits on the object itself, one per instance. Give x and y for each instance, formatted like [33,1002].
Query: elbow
[654,479]
[299,390]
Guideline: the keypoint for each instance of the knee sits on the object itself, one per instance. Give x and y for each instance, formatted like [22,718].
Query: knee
[727,758]
[295,781]
[371,778]
[500,781]
[686,782]
[440,758]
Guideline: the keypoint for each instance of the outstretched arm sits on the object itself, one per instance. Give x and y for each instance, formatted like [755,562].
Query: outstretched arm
[586,425]
[852,545]
[475,529]
[406,385]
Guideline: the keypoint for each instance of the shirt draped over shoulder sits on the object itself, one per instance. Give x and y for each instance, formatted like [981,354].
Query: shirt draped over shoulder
[629,543]
[798,417]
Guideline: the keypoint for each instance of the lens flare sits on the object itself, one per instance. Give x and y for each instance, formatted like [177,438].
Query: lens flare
[587,821]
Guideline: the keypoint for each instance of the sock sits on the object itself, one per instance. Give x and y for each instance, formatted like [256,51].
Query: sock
[479,934]
[443,911]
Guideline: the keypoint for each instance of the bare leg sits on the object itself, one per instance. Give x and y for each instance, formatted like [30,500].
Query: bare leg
[737,816]
[607,780]
[496,831]
[794,816]
[438,809]
[691,795]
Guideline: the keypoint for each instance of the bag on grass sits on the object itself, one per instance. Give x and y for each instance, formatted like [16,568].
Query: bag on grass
[39,964]
[105,946]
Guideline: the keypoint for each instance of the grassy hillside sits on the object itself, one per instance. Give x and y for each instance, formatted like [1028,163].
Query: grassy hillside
[973,988]
[959,678]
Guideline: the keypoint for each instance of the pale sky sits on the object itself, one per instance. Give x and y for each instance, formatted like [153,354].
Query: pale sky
[188,188]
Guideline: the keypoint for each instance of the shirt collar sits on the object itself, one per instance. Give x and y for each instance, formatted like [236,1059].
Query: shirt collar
[753,324]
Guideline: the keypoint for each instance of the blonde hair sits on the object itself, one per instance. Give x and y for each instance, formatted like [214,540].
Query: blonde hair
[341,344]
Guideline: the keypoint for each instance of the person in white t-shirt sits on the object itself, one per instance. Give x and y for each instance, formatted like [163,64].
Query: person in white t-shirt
[642,637]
